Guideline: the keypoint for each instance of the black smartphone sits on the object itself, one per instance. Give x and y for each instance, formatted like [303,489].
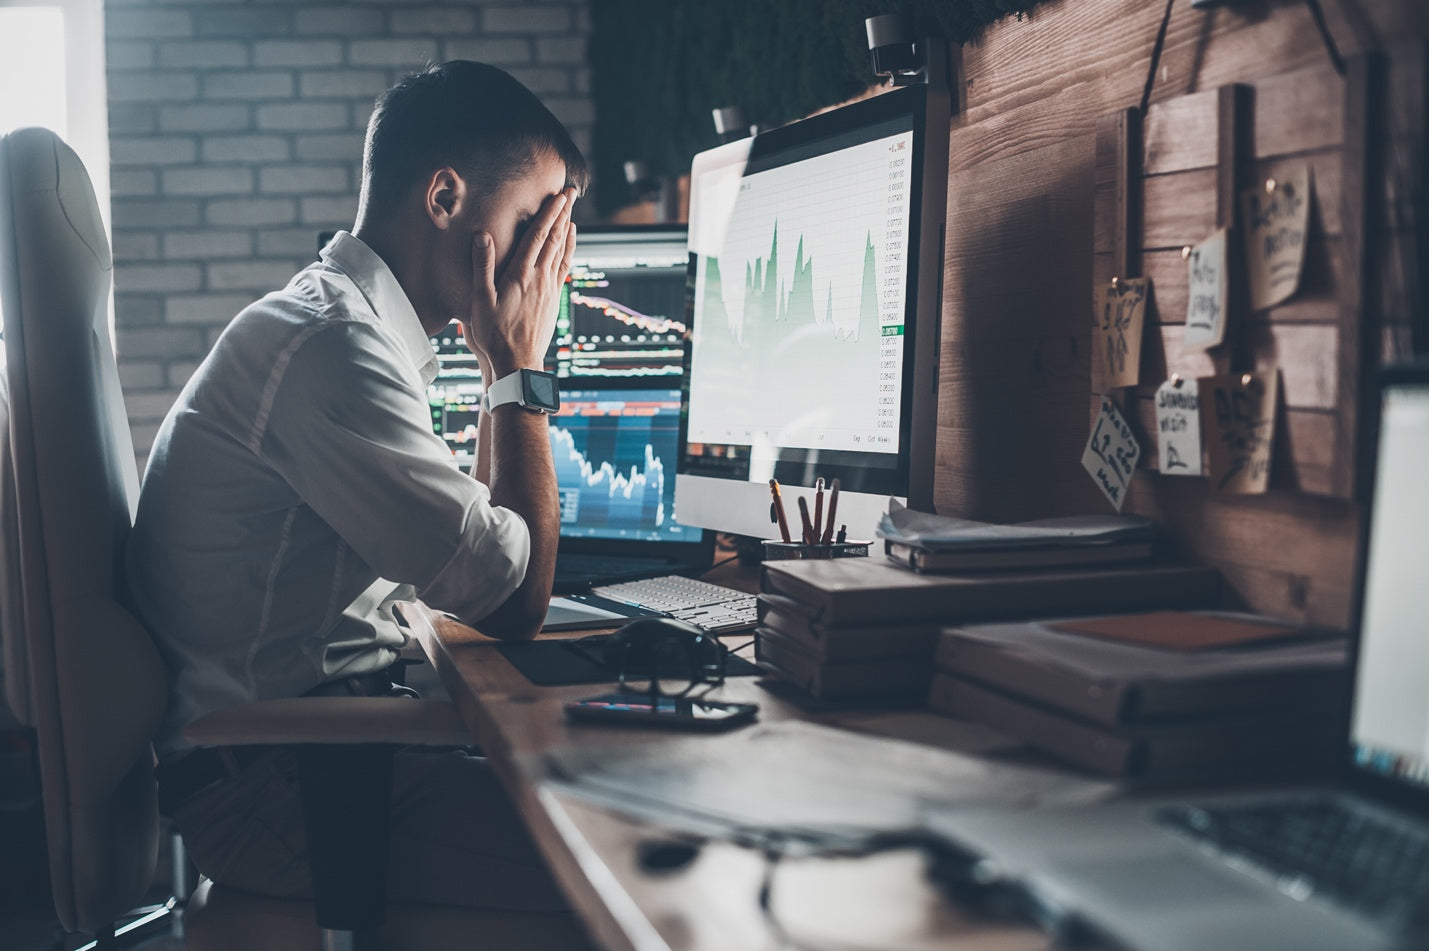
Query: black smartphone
[678,713]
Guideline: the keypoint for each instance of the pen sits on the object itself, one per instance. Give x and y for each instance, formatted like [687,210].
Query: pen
[808,526]
[833,509]
[818,509]
[778,506]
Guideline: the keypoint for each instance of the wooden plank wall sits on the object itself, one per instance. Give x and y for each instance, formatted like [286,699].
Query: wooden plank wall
[1020,267]
[1199,151]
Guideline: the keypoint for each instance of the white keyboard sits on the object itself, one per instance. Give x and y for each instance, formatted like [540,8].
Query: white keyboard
[715,608]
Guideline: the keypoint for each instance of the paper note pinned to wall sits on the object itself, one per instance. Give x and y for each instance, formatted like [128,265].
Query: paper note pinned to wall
[1116,333]
[1178,428]
[1238,418]
[1206,300]
[1111,454]
[1276,214]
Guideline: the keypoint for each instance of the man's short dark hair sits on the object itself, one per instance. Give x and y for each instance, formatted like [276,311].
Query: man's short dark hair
[470,116]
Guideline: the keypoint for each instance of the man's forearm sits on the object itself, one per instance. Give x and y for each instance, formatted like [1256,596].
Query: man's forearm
[481,461]
[523,479]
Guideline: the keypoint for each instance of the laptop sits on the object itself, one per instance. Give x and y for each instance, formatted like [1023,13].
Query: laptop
[1344,866]
[618,350]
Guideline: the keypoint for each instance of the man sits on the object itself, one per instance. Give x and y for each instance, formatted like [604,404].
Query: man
[296,489]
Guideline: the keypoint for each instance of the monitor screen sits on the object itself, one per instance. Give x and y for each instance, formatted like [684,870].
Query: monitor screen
[1389,728]
[614,451]
[455,394]
[622,314]
[813,303]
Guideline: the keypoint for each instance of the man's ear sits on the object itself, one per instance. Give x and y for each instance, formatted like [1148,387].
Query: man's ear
[445,197]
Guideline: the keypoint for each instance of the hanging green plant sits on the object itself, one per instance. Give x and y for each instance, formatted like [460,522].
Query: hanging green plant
[659,67]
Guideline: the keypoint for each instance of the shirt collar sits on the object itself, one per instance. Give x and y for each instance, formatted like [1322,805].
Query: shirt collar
[389,302]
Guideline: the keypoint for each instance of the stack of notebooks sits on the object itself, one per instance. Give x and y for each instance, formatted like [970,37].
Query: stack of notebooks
[938,543]
[1167,697]
[861,628]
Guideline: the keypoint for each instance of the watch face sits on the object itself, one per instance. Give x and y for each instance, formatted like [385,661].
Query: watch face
[541,390]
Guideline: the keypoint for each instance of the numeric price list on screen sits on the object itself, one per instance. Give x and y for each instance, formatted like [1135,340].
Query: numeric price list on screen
[891,300]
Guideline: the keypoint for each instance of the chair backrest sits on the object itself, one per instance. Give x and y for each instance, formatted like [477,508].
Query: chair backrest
[93,682]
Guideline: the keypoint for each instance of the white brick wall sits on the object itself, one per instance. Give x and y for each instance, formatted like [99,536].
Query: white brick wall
[236,135]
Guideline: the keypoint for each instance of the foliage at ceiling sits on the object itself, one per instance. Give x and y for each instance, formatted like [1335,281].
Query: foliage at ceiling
[659,68]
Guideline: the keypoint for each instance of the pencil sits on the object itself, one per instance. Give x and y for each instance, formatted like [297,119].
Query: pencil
[808,526]
[818,509]
[779,509]
[833,510]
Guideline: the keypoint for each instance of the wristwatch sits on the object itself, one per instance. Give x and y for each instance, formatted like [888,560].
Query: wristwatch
[532,389]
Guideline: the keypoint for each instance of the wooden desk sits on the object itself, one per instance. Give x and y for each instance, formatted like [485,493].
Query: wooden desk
[713,903]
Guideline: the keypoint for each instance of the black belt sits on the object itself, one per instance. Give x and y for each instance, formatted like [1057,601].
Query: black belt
[189,774]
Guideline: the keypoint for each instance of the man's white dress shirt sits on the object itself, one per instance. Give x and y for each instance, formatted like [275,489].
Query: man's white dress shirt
[296,474]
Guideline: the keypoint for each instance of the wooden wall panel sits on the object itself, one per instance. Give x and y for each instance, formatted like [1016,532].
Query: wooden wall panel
[1014,372]
[1033,81]
[1023,253]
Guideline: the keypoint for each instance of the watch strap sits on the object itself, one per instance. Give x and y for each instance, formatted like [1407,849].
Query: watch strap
[502,391]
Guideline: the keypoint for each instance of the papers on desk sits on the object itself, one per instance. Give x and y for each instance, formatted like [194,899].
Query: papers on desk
[801,781]
[940,543]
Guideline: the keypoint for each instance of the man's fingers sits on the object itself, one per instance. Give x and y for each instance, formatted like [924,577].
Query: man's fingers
[540,229]
[570,252]
[483,268]
[554,247]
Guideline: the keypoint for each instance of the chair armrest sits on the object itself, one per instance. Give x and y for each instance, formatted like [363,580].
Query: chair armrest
[332,720]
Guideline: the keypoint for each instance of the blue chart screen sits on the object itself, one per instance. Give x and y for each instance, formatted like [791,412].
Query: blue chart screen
[615,452]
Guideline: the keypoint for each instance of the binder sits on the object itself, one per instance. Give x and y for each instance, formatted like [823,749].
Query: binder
[843,643]
[934,560]
[1278,744]
[783,658]
[854,591]
[1114,683]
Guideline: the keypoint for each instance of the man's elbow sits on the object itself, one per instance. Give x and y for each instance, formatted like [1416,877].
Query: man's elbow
[519,618]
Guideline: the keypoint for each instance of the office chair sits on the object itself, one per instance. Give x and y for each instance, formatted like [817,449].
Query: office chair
[82,671]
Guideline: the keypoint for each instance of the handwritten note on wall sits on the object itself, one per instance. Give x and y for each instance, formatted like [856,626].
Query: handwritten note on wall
[1277,222]
[1238,415]
[1206,302]
[1116,333]
[1111,454]
[1178,428]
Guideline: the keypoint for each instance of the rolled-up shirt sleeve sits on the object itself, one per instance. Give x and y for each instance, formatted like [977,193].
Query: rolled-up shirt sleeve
[347,427]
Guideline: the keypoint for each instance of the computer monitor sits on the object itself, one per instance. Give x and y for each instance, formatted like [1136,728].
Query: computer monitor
[455,394]
[622,315]
[814,300]
[615,450]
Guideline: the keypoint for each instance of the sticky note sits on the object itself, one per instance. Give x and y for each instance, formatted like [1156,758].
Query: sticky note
[1206,300]
[1116,333]
[1178,428]
[1276,216]
[1111,454]
[1238,418]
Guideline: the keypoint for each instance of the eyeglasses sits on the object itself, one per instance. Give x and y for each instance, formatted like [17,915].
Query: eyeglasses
[669,663]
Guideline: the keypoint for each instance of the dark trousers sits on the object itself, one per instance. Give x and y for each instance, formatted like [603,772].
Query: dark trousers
[456,838]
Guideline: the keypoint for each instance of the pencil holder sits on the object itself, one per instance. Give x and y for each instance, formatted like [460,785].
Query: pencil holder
[775,550]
